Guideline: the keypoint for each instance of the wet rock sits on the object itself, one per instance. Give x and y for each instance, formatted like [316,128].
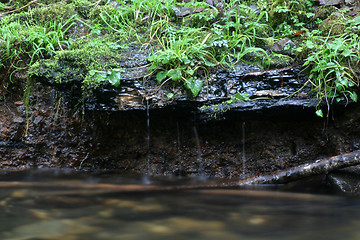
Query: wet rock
[221,85]
[346,182]
[284,46]
[18,120]
[270,107]
[116,4]
[349,1]
[183,11]
[335,2]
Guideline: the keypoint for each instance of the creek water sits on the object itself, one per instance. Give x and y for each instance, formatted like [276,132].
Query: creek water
[63,204]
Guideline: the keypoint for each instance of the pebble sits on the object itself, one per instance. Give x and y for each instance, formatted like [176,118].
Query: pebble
[53,229]
[40,214]
[134,205]
[18,103]
[257,220]
[19,193]
[182,224]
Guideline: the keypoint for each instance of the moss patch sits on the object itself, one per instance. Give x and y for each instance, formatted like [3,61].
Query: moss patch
[100,53]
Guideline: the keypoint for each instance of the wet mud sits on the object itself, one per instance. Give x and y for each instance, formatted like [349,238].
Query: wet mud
[54,135]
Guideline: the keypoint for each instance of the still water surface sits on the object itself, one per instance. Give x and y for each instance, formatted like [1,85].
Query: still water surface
[58,204]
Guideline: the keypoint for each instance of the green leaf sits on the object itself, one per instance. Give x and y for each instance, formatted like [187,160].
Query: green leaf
[241,97]
[170,95]
[114,78]
[190,71]
[346,52]
[355,21]
[101,76]
[160,76]
[186,60]
[194,85]
[353,96]
[310,44]
[174,74]
[319,113]
[343,80]
[209,64]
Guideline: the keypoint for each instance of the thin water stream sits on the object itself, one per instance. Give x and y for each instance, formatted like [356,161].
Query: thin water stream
[243,149]
[60,204]
[146,179]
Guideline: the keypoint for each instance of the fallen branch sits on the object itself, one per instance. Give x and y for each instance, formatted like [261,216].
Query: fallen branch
[306,170]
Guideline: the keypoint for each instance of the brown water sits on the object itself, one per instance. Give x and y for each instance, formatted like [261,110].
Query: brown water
[60,204]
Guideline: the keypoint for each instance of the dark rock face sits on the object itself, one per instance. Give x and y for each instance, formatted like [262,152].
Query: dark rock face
[117,140]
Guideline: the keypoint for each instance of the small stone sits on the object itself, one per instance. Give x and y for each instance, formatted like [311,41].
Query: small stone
[257,220]
[19,193]
[115,4]
[38,120]
[283,46]
[106,213]
[134,205]
[40,214]
[160,229]
[18,103]
[330,2]
[18,120]
[183,224]
[183,11]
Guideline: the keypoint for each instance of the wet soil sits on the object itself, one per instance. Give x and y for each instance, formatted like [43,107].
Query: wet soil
[54,135]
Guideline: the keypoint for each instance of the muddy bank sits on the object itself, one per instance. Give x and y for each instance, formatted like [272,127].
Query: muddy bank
[55,136]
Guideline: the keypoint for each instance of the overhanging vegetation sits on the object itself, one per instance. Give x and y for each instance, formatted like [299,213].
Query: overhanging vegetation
[85,40]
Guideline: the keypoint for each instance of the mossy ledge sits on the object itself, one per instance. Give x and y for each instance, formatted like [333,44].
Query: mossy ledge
[173,51]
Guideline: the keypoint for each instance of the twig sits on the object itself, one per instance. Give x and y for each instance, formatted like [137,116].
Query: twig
[259,73]
[87,155]
[97,3]
[34,1]
[57,3]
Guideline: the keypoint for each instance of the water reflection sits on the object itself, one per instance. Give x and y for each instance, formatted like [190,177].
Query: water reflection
[78,205]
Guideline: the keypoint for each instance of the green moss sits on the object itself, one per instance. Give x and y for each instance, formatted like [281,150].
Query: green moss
[334,24]
[83,7]
[75,64]
[280,60]
[21,3]
[42,15]
[96,13]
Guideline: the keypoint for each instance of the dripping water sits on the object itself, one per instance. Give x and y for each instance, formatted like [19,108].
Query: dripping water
[146,179]
[243,148]
[199,157]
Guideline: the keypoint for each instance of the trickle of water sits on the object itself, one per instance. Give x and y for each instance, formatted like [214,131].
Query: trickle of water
[243,148]
[145,178]
[199,157]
